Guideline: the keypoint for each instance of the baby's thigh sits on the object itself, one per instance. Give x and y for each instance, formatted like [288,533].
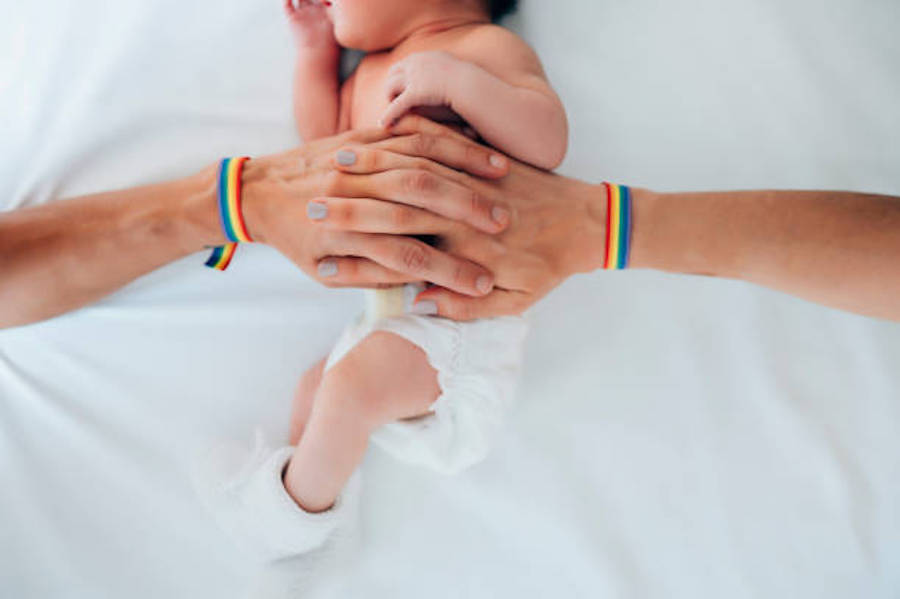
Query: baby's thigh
[391,376]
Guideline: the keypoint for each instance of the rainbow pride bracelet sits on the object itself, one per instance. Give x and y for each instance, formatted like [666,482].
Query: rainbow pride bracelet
[230,214]
[618,226]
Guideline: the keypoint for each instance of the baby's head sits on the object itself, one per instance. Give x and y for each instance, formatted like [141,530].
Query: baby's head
[377,25]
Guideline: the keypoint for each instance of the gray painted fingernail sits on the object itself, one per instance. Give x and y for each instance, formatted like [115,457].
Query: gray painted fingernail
[327,268]
[500,215]
[497,161]
[346,157]
[484,284]
[424,308]
[316,210]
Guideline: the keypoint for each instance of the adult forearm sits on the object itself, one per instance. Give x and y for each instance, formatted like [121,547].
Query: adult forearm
[66,254]
[840,249]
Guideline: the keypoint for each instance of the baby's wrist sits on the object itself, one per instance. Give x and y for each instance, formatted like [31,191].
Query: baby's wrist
[318,53]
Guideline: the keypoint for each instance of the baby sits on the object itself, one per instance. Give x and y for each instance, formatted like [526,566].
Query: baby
[428,390]
[445,60]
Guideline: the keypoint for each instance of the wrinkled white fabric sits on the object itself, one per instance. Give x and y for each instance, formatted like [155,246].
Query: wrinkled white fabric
[478,365]
[242,487]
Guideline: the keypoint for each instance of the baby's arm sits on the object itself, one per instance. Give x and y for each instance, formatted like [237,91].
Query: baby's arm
[496,83]
[316,95]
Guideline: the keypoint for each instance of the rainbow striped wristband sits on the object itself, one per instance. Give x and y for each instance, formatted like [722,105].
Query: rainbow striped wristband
[618,226]
[232,218]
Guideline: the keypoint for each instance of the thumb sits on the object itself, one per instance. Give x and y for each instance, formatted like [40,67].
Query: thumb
[455,306]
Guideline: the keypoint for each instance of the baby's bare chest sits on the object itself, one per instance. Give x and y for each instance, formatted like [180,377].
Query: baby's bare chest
[369,99]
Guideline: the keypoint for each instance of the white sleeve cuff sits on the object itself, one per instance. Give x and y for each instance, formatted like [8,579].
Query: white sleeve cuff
[246,494]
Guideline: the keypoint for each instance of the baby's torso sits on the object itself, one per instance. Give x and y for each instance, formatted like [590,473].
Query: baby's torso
[369,99]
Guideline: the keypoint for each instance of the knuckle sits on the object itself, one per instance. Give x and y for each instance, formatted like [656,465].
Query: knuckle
[422,144]
[460,274]
[477,204]
[474,155]
[345,213]
[414,258]
[422,164]
[420,182]
[333,182]
[400,216]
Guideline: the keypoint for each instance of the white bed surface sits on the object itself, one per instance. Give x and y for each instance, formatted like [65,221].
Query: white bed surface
[676,437]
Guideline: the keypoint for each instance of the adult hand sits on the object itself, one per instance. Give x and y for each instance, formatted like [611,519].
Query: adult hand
[381,182]
[556,227]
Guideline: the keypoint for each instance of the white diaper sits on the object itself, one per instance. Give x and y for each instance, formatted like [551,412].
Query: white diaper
[478,366]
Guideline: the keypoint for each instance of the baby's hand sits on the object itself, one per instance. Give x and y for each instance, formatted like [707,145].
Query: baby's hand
[310,23]
[424,79]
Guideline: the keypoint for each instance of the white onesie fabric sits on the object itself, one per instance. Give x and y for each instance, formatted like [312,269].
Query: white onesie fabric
[478,365]
[241,485]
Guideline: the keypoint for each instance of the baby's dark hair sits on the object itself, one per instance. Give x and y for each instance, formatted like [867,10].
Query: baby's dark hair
[501,8]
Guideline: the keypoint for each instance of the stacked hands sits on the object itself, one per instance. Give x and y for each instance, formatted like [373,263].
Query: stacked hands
[372,189]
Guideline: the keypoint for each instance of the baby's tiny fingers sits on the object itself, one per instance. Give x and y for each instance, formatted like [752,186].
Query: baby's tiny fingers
[397,108]
[394,85]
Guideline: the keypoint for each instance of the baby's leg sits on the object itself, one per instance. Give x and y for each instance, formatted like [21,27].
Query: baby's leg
[384,378]
[303,400]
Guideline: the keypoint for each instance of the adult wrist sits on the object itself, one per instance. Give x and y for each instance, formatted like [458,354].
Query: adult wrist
[647,245]
[591,216]
[584,243]
[196,211]
[257,198]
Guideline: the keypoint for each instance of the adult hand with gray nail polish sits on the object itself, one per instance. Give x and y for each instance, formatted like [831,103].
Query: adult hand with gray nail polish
[531,229]
[391,185]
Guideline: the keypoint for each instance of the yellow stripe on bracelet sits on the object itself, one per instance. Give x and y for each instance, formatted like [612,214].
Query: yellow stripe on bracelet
[230,212]
[618,226]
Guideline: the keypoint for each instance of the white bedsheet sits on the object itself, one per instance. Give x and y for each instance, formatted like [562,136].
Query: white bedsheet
[676,437]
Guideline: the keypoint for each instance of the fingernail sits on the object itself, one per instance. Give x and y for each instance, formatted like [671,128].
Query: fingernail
[316,210]
[424,308]
[497,161]
[484,284]
[346,157]
[500,215]
[327,268]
